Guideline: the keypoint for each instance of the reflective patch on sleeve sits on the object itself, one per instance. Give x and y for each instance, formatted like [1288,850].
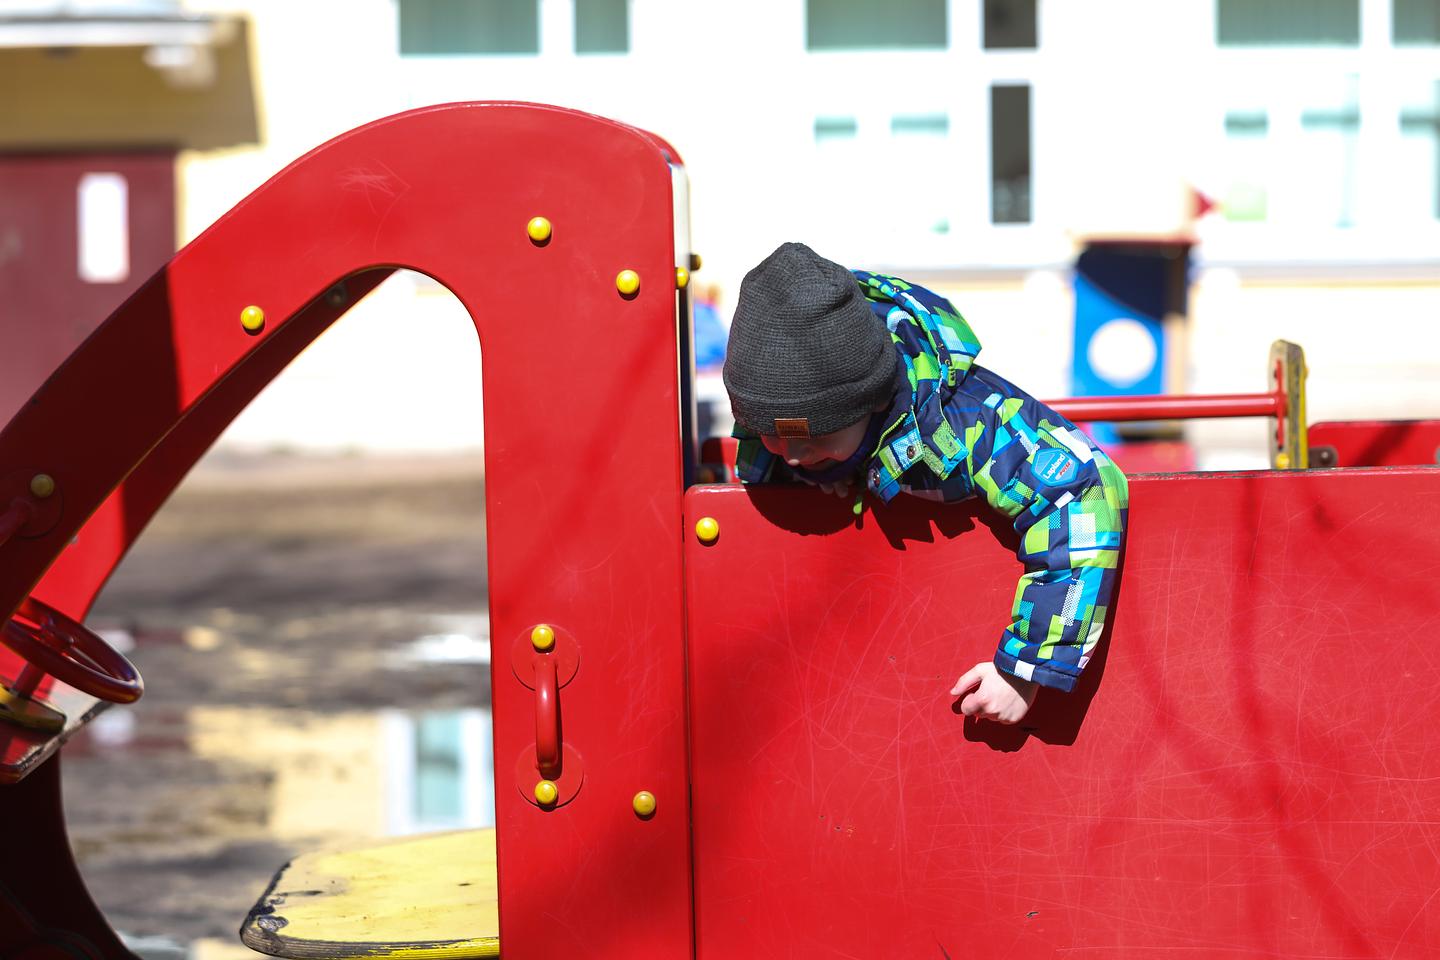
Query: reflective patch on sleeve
[1077,445]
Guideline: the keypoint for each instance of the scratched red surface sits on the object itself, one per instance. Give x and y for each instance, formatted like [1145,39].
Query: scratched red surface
[1251,769]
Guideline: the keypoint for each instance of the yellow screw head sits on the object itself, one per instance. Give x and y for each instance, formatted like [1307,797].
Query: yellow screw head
[542,638]
[627,282]
[546,793]
[42,485]
[644,804]
[1282,461]
[539,229]
[682,277]
[707,529]
[252,318]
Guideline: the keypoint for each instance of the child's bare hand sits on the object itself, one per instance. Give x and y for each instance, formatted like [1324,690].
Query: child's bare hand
[992,695]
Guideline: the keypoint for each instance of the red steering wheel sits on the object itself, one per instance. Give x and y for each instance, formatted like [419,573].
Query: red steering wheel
[68,651]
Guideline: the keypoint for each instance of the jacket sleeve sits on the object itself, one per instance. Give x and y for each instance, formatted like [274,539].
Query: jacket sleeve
[755,464]
[1069,503]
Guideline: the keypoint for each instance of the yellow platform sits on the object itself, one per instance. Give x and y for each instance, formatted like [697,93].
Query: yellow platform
[424,898]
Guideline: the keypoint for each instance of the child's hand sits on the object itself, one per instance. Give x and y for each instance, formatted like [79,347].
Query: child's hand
[992,695]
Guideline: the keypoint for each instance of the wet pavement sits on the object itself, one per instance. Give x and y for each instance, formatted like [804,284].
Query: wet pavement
[314,643]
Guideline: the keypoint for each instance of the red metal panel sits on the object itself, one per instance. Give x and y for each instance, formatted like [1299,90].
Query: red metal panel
[1250,768]
[572,370]
[1375,443]
[45,910]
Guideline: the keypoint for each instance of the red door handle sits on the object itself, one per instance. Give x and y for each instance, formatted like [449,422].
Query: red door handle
[547,717]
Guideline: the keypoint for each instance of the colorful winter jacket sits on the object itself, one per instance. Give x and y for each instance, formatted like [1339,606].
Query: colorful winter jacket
[957,430]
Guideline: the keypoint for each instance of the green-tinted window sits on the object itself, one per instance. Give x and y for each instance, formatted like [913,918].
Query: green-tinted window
[1010,154]
[1287,23]
[1329,143]
[920,125]
[602,26]
[1247,197]
[832,129]
[439,791]
[1417,22]
[867,25]
[1010,25]
[924,162]
[1420,152]
[469,26]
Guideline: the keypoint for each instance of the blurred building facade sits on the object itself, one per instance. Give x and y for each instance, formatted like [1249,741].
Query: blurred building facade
[975,145]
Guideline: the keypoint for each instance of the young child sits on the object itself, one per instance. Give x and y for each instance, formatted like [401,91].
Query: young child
[844,380]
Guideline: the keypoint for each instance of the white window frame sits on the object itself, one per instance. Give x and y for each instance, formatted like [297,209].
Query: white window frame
[1388,76]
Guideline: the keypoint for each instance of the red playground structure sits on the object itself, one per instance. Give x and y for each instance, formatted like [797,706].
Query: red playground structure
[757,755]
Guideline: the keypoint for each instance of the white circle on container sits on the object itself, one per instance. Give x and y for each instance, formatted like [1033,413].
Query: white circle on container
[1122,351]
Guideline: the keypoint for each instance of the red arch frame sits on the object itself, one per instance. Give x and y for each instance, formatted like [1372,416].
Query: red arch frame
[572,379]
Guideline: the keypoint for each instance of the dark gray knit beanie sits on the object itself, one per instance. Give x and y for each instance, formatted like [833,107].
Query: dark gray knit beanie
[806,355]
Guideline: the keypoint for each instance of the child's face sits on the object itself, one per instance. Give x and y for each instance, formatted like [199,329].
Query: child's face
[818,453]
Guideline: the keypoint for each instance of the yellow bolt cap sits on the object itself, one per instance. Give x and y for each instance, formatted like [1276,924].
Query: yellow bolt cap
[644,803]
[707,529]
[252,318]
[542,637]
[42,485]
[539,229]
[1282,461]
[682,277]
[627,282]
[546,793]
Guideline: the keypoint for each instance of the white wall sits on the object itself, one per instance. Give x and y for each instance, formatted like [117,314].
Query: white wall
[1129,105]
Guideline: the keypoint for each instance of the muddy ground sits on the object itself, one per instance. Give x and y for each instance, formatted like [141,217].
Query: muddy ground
[278,588]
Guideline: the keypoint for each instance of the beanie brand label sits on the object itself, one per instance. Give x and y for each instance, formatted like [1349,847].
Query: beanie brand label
[793,428]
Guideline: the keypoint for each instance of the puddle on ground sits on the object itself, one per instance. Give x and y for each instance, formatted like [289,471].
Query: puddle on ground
[459,638]
[180,812]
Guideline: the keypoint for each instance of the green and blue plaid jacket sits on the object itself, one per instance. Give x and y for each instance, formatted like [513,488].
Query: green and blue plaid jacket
[963,431]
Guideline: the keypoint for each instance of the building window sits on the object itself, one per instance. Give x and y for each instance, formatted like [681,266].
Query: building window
[439,784]
[866,25]
[1416,22]
[904,161]
[839,164]
[1281,23]
[1324,184]
[924,168]
[103,227]
[1420,154]
[834,132]
[1296,163]
[469,26]
[1010,154]
[602,26]
[1010,25]
[1245,137]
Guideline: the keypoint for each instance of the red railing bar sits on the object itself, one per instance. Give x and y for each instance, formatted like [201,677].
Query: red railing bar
[1090,409]
[1170,407]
